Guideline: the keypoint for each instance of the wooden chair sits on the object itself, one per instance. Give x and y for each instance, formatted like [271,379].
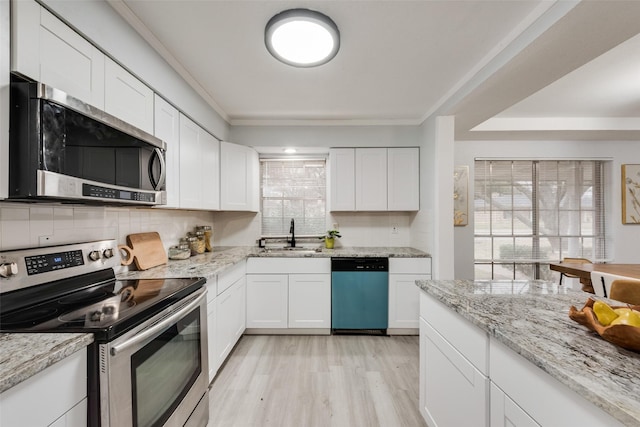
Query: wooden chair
[626,290]
[576,261]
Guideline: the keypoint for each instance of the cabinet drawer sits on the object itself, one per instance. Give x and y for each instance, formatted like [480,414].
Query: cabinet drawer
[231,276]
[547,401]
[409,265]
[467,338]
[288,265]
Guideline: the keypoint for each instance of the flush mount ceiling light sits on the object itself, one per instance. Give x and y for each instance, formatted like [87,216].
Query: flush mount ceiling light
[302,37]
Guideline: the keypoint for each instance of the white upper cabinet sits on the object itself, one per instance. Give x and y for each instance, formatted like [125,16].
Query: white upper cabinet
[46,50]
[238,178]
[403,170]
[127,98]
[342,179]
[167,128]
[374,179]
[199,167]
[371,179]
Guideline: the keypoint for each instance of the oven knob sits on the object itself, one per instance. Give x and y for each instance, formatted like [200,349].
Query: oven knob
[8,269]
[108,253]
[95,255]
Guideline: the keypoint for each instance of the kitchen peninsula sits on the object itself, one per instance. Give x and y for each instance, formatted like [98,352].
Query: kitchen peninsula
[509,351]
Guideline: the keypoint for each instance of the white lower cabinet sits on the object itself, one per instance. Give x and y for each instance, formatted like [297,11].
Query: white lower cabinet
[470,379]
[505,412]
[404,295]
[309,301]
[267,300]
[453,392]
[540,396]
[289,294]
[225,314]
[56,396]
[230,321]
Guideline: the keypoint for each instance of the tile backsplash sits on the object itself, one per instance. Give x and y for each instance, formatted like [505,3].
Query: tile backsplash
[30,225]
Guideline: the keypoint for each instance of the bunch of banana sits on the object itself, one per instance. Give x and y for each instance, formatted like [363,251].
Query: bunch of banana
[618,316]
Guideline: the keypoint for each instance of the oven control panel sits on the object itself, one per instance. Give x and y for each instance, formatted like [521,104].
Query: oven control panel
[29,267]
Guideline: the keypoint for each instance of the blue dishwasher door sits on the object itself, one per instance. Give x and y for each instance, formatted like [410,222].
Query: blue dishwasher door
[359,300]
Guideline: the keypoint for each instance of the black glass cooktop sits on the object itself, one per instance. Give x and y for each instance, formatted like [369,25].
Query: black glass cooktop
[107,310]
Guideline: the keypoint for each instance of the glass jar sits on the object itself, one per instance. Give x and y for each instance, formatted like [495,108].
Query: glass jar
[176,252]
[195,244]
[208,233]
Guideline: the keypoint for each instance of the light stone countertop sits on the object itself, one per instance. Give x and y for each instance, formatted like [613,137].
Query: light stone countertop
[24,355]
[209,264]
[532,319]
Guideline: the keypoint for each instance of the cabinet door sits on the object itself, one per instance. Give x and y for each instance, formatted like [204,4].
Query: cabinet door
[505,412]
[310,301]
[403,167]
[452,391]
[235,175]
[371,179]
[47,50]
[209,171]
[267,303]
[127,98]
[225,327]
[404,300]
[167,128]
[212,339]
[190,161]
[342,175]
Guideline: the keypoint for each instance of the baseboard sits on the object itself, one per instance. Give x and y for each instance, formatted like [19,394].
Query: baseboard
[403,331]
[287,331]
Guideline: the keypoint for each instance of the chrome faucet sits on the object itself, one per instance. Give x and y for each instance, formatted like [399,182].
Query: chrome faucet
[292,230]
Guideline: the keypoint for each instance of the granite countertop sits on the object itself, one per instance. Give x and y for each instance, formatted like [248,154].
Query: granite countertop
[209,264]
[24,355]
[532,318]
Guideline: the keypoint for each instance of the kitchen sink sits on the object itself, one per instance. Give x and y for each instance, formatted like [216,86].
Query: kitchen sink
[289,249]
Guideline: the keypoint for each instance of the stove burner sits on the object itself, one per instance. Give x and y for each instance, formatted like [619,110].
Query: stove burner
[87,297]
[29,317]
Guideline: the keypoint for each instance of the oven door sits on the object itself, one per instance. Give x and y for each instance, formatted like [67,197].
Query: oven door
[156,374]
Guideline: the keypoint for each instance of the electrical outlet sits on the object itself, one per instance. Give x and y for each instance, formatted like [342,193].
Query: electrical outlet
[394,229]
[336,226]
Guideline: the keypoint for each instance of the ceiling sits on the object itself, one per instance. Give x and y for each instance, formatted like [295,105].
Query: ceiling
[401,61]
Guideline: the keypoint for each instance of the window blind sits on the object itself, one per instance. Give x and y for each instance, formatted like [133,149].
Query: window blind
[293,188]
[532,212]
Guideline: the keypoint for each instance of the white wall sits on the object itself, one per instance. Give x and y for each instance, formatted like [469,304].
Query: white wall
[326,136]
[624,237]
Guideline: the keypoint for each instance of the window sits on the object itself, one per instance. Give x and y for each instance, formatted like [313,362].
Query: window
[529,213]
[295,189]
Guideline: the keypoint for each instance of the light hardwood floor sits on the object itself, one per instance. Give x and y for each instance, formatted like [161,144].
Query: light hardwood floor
[300,381]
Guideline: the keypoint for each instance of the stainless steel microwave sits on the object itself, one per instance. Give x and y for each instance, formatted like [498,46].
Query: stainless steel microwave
[64,149]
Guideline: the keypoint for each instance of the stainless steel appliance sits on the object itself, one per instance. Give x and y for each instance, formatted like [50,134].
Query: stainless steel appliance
[148,365]
[359,295]
[63,148]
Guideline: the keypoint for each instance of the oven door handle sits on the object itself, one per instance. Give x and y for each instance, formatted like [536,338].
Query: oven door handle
[160,326]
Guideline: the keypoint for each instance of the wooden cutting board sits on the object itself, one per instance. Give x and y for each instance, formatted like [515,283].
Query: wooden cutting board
[145,249]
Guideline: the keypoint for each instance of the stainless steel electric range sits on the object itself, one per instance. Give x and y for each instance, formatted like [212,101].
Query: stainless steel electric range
[148,363]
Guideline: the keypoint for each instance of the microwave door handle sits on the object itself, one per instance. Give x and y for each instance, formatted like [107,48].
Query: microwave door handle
[158,327]
[157,185]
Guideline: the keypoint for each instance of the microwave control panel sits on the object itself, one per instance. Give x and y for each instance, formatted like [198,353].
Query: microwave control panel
[114,193]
